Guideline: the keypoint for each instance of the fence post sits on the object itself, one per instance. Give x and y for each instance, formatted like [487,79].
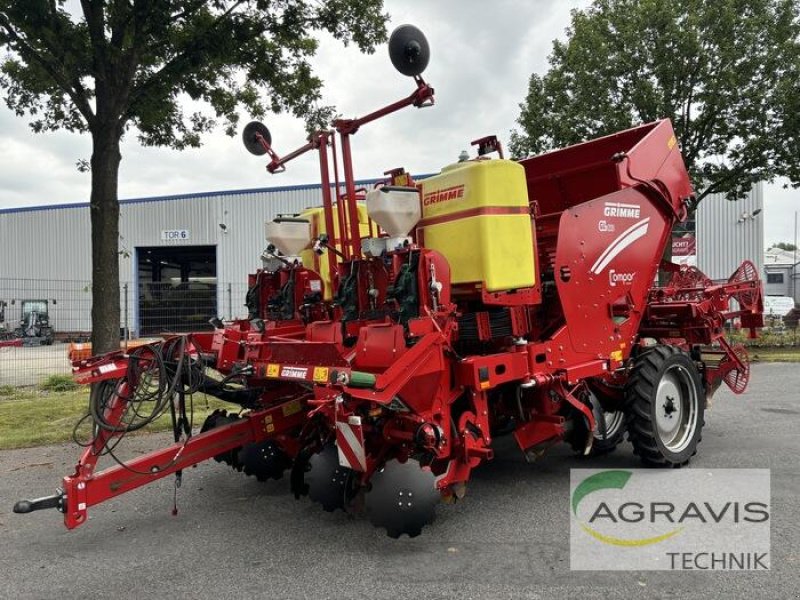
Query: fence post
[230,302]
[125,316]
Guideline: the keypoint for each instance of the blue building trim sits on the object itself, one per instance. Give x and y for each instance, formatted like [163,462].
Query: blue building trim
[192,196]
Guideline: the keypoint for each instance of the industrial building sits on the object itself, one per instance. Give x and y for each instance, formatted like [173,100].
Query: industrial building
[184,258]
[729,232]
[782,271]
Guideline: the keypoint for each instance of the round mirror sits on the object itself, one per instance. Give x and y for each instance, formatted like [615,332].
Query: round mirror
[409,50]
[250,137]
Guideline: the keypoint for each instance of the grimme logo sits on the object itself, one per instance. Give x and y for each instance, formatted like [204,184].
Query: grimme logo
[443,195]
[689,520]
[618,209]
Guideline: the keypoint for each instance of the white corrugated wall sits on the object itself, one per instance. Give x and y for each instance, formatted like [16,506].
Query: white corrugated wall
[45,252]
[728,233]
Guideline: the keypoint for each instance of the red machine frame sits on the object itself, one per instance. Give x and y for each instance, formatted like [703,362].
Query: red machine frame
[425,377]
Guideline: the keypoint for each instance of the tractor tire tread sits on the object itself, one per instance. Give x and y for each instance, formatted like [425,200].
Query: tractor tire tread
[640,393]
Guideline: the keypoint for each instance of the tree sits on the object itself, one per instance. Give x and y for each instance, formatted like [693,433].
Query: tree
[726,72]
[114,65]
[786,246]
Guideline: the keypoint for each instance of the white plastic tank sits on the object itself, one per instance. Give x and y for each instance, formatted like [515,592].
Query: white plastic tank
[395,209]
[290,236]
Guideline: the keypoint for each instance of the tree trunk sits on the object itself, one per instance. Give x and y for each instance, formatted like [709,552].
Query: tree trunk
[104,209]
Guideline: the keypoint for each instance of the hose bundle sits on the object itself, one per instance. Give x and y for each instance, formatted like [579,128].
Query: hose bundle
[155,373]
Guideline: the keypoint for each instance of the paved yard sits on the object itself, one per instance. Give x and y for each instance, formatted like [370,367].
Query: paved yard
[29,365]
[236,538]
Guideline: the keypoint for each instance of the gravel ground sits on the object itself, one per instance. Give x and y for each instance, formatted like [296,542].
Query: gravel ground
[237,538]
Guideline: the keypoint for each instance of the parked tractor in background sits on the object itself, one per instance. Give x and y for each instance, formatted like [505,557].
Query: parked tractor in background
[7,337]
[5,333]
[395,333]
[34,325]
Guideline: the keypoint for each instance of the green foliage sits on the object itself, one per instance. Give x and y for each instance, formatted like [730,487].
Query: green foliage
[7,390]
[58,383]
[768,337]
[35,418]
[159,66]
[123,63]
[726,72]
[783,355]
[786,246]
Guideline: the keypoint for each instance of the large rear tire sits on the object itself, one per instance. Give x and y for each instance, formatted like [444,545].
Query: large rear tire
[665,407]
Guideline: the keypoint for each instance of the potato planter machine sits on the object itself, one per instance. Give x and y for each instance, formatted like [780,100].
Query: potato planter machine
[395,332]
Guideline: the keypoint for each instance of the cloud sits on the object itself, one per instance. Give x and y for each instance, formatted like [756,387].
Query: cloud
[482,54]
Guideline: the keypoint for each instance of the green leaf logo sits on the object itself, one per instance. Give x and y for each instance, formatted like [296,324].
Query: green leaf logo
[599,481]
[616,480]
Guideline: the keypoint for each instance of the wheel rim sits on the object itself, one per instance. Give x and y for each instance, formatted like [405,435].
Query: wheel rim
[676,408]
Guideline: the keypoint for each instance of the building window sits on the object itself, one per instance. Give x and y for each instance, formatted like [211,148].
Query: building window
[774,277]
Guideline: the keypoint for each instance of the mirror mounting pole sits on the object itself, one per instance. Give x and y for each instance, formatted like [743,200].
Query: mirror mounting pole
[322,140]
[340,216]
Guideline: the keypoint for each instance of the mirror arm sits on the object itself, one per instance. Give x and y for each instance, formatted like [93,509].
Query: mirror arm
[421,97]
[278,164]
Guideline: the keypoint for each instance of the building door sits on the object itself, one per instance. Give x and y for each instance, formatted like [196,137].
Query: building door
[177,288]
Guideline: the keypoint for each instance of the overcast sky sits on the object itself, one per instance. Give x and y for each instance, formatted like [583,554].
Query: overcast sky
[482,54]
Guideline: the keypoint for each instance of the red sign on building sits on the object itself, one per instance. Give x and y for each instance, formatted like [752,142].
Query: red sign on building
[684,246]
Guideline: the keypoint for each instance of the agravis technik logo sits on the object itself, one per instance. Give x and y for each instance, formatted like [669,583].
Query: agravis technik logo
[670,520]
